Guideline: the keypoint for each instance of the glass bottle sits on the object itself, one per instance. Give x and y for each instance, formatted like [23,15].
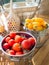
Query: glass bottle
[13,20]
[4,19]
[1,26]
[3,23]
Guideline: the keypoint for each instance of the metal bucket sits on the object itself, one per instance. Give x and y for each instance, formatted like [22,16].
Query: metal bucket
[24,57]
[38,35]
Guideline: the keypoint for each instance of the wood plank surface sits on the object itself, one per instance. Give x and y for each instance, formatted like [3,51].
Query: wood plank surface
[42,56]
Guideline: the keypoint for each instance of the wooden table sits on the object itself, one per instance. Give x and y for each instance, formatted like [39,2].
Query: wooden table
[40,57]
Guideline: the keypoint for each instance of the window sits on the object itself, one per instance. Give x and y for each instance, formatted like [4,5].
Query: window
[7,1]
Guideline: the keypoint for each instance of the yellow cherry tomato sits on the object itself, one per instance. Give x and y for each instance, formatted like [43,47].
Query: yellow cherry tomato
[40,28]
[30,26]
[26,24]
[38,19]
[33,19]
[35,27]
[28,20]
[36,23]
[45,25]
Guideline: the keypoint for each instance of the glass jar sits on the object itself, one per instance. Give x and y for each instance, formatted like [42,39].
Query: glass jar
[3,31]
[1,26]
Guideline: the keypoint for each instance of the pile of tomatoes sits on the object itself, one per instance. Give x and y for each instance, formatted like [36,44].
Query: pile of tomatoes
[36,24]
[15,44]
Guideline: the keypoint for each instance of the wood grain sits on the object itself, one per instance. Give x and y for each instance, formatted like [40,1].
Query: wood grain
[41,55]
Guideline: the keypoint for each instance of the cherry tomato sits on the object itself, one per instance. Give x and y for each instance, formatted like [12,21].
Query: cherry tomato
[12,34]
[6,46]
[11,52]
[7,39]
[19,53]
[25,44]
[11,42]
[18,39]
[16,47]
[32,41]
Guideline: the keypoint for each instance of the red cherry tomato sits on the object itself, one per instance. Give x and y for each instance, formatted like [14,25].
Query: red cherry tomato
[6,46]
[18,39]
[11,42]
[25,44]
[32,41]
[16,47]
[23,38]
[7,39]
[19,53]
[12,34]
[11,52]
